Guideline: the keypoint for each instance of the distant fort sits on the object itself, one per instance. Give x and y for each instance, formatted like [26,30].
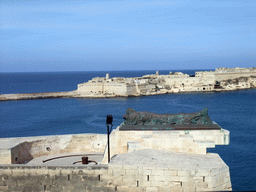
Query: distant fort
[222,79]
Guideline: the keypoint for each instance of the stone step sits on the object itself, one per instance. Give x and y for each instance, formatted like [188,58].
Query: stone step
[133,146]
[187,136]
[206,143]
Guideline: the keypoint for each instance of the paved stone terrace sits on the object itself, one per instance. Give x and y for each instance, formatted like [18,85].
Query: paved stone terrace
[146,157]
[67,161]
[166,159]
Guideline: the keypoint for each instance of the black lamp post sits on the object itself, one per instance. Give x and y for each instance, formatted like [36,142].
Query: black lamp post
[109,122]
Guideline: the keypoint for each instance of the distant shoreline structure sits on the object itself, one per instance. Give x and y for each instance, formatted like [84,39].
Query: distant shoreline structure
[222,79]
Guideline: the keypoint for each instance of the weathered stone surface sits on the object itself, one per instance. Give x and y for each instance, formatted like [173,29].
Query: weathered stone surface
[137,172]
[148,118]
[25,149]
[155,161]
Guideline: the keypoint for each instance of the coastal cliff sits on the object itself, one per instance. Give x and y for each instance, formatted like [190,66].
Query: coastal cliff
[222,79]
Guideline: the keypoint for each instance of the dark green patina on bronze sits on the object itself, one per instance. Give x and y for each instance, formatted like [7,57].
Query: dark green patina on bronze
[147,118]
[152,121]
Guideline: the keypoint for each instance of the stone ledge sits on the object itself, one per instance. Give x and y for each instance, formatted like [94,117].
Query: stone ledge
[168,127]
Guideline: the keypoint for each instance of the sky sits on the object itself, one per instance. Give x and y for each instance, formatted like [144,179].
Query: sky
[108,35]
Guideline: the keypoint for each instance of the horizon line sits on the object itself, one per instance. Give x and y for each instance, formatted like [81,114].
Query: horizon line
[104,71]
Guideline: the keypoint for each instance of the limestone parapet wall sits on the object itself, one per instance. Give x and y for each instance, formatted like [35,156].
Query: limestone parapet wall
[125,172]
[5,156]
[132,89]
[236,69]
[116,178]
[102,88]
[193,142]
[23,150]
[225,74]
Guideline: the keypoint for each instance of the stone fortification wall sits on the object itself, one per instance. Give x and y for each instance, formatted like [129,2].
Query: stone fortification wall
[236,69]
[193,142]
[132,89]
[141,161]
[232,75]
[5,156]
[221,74]
[144,88]
[23,150]
[102,89]
[185,84]
[207,76]
[171,75]
[116,90]
[114,178]
[162,84]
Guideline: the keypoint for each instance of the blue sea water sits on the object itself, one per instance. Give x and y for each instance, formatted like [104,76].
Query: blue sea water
[234,111]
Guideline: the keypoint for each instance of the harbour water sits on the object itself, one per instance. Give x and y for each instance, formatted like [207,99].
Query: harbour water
[234,111]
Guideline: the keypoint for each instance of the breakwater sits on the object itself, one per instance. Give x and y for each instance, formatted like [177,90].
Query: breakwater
[22,96]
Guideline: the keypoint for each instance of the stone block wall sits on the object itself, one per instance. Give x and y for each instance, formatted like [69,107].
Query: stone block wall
[102,88]
[111,178]
[233,75]
[117,89]
[90,88]
[195,142]
[25,149]
[5,156]
[132,89]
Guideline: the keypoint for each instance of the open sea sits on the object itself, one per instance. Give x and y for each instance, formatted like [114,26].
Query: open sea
[234,111]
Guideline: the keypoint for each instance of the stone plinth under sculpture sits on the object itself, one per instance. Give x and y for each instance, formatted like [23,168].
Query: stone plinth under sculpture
[176,142]
[185,132]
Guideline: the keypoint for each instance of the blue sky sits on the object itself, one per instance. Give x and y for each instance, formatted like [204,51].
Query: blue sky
[94,35]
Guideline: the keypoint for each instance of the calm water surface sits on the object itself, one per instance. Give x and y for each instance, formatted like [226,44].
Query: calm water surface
[234,111]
